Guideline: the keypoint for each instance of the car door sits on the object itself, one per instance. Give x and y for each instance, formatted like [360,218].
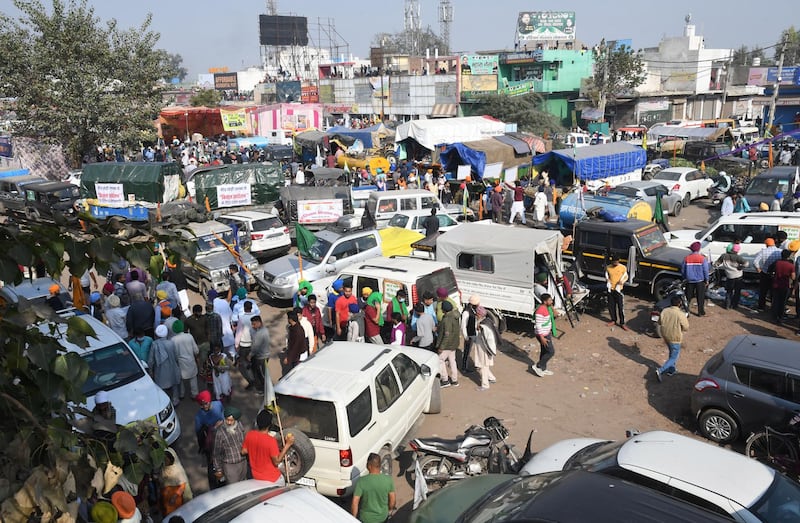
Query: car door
[366,247]
[413,394]
[390,410]
[344,252]
[591,255]
[760,396]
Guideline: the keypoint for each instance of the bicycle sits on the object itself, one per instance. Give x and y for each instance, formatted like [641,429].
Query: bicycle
[777,449]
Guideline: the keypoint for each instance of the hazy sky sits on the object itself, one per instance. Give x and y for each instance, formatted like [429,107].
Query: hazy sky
[225,33]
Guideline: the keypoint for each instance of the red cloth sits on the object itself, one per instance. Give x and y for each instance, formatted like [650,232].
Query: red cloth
[519,194]
[342,308]
[261,448]
[371,328]
[783,274]
[314,317]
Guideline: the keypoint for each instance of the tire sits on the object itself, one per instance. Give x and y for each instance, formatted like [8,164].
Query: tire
[772,449]
[687,199]
[300,457]
[718,426]
[430,467]
[435,404]
[202,288]
[658,288]
[387,462]
[676,211]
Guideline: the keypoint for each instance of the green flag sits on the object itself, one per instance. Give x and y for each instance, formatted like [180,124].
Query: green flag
[305,239]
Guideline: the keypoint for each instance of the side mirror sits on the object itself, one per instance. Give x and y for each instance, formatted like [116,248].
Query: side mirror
[425,370]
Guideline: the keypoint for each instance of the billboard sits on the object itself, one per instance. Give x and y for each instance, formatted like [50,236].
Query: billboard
[546,25]
[283,30]
[226,82]
[479,64]
[769,75]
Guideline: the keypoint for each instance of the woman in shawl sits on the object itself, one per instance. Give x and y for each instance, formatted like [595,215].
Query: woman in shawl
[487,341]
[175,489]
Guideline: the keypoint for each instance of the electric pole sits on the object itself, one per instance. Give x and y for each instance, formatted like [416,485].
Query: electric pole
[774,99]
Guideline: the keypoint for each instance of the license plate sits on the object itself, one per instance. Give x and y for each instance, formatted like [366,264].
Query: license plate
[307,482]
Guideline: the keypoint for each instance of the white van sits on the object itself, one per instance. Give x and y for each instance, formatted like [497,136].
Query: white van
[751,228]
[383,204]
[352,399]
[118,371]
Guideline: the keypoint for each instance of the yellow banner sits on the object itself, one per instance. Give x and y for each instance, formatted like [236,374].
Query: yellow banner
[235,120]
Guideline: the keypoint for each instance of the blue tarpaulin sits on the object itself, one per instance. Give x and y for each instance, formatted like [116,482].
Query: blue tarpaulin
[459,154]
[14,172]
[597,161]
[366,135]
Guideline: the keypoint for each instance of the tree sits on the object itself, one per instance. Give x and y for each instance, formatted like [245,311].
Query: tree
[46,463]
[78,81]
[743,56]
[176,68]
[526,110]
[206,97]
[792,54]
[617,71]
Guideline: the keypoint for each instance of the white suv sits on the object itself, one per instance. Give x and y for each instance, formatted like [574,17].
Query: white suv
[717,479]
[352,399]
[268,236]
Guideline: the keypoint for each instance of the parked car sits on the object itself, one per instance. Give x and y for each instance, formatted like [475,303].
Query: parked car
[383,205]
[352,399]
[750,384]
[51,201]
[698,151]
[35,292]
[672,203]
[263,234]
[12,192]
[696,472]
[688,182]
[764,186]
[552,497]
[415,220]
[254,501]
[115,369]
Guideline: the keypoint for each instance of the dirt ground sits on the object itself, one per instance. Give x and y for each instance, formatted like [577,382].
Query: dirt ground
[603,384]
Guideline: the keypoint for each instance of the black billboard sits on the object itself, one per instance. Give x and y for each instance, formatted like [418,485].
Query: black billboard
[226,82]
[283,30]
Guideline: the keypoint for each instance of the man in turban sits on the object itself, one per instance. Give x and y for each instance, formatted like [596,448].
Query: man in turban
[229,464]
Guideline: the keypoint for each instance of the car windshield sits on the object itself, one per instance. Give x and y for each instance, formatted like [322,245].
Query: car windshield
[597,456]
[111,367]
[766,186]
[317,419]
[215,242]
[667,175]
[398,220]
[650,239]
[780,502]
[65,194]
[625,191]
[510,501]
[318,250]
[266,224]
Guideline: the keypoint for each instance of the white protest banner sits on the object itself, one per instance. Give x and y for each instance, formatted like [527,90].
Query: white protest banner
[511,175]
[319,211]
[233,195]
[110,193]
[463,172]
[493,170]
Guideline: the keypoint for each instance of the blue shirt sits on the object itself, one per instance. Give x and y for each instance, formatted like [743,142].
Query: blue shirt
[210,417]
[141,347]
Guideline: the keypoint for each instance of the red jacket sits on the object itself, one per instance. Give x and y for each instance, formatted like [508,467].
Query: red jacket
[314,316]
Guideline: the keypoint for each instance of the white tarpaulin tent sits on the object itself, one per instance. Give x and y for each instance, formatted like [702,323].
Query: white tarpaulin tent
[430,133]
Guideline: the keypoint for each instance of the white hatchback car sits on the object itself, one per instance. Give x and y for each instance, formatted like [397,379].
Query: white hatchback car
[706,475]
[269,237]
[415,221]
[352,399]
[689,182]
[254,501]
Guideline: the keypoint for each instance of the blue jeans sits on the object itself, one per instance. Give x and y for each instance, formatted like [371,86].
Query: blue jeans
[674,352]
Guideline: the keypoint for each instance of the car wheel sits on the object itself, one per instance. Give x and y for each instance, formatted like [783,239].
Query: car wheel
[300,457]
[387,462]
[687,199]
[676,211]
[718,426]
[202,288]
[659,289]
[435,403]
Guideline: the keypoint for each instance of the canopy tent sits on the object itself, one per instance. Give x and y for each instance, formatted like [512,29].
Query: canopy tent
[594,162]
[479,153]
[180,121]
[310,139]
[512,249]
[537,144]
[430,133]
[369,136]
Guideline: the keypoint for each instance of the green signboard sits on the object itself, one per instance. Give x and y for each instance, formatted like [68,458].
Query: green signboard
[546,25]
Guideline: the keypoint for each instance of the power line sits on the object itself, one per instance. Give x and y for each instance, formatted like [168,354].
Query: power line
[752,52]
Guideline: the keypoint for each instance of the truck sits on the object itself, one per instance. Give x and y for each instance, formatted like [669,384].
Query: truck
[640,246]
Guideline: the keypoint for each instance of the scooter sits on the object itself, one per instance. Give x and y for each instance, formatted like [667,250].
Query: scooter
[480,450]
[676,288]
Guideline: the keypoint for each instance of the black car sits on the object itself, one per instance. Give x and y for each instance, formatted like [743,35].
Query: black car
[51,201]
[571,496]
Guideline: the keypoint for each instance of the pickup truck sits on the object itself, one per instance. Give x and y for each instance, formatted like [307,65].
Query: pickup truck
[333,250]
[640,245]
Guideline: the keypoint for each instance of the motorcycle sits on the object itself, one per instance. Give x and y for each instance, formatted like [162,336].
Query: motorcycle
[718,191]
[480,450]
[673,289]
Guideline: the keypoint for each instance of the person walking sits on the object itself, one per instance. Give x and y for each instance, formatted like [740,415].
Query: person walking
[373,318]
[539,205]
[342,310]
[431,223]
[227,461]
[762,262]
[732,264]
[162,363]
[314,316]
[425,327]
[616,276]
[374,499]
[484,349]
[296,344]
[695,269]
[783,277]
[545,329]
[259,352]
[186,352]
[496,201]
[447,341]
[469,329]
[518,205]
[262,450]
[673,323]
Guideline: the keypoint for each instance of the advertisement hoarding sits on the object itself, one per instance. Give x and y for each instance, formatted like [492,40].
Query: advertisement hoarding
[546,25]
[478,64]
[226,82]
[319,211]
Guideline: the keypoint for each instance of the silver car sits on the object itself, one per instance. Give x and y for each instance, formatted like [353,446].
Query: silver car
[646,191]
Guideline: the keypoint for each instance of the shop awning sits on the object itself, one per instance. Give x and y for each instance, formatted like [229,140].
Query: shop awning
[444,110]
